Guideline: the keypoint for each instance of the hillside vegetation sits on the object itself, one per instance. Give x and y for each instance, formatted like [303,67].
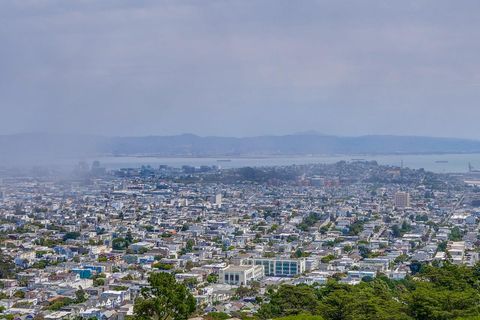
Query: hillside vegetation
[437,293]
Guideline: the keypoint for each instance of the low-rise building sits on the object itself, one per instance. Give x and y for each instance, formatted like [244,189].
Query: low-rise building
[241,275]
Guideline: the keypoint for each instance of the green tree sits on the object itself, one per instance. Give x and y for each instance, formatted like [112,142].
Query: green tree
[164,299]
[129,237]
[372,300]
[98,282]
[212,278]
[71,235]
[119,244]
[348,248]
[301,317]
[60,303]
[442,246]
[448,292]
[217,316]
[396,231]
[244,291]
[7,267]
[163,266]
[290,300]
[456,234]
[81,295]
[356,228]
[298,253]
[427,302]
[327,258]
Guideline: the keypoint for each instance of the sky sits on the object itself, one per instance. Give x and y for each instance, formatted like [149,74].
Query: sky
[240,68]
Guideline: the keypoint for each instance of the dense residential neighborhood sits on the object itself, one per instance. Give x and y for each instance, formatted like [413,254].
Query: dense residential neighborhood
[86,245]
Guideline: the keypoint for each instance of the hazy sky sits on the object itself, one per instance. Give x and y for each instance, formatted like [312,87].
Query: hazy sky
[240,68]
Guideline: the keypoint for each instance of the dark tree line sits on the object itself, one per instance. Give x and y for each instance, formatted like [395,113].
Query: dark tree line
[435,293]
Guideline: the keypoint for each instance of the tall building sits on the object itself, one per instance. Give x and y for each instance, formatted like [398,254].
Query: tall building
[402,200]
[218,199]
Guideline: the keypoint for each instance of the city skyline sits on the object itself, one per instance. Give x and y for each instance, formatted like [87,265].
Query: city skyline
[239,160]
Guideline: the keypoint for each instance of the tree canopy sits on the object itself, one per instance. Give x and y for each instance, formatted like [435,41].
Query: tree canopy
[7,267]
[164,299]
[435,293]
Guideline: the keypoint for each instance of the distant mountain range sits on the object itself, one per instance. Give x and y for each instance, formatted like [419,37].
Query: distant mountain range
[308,143]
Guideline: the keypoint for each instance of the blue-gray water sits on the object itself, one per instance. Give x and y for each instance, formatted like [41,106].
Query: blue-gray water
[445,163]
